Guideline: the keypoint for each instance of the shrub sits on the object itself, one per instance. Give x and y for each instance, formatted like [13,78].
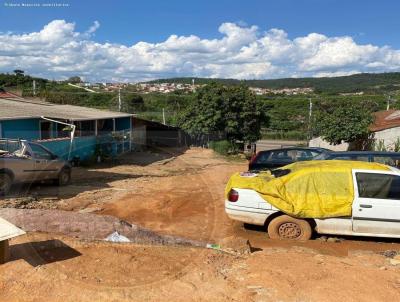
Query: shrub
[397,145]
[379,145]
[223,147]
[289,135]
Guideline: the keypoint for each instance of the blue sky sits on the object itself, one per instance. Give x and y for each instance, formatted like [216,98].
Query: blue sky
[129,22]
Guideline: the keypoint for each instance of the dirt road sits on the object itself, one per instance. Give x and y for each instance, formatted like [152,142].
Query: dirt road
[182,195]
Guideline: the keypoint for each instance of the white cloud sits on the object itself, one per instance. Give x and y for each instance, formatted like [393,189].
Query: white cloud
[94,27]
[243,52]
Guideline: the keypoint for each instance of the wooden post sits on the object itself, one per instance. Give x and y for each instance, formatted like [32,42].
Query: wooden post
[4,251]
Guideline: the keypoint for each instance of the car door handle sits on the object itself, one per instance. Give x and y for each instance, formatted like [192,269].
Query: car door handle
[367,206]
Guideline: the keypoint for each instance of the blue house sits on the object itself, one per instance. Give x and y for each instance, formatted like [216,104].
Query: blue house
[68,131]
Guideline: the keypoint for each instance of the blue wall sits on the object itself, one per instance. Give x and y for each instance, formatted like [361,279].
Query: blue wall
[83,147]
[24,129]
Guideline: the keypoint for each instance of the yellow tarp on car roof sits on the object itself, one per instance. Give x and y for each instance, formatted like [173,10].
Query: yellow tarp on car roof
[312,189]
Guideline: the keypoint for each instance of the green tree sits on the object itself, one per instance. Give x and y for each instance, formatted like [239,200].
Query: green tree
[74,80]
[243,115]
[230,111]
[19,72]
[344,122]
[132,103]
[205,114]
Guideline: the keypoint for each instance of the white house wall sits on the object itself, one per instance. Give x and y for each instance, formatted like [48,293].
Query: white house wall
[389,136]
[319,142]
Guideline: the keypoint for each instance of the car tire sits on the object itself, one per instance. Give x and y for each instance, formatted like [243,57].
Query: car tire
[64,177]
[289,228]
[5,183]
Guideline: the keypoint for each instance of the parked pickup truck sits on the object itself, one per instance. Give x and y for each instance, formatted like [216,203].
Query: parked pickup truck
[31,162]
[373,208]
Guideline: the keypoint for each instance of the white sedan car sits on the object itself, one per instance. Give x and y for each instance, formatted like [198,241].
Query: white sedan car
[372,215]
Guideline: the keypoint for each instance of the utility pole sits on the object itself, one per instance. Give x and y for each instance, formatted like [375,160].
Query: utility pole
[119,99]
[163,116]
[34,87]
[310,118]
[388,103]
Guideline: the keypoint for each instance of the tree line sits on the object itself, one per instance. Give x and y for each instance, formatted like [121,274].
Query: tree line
[232,112]
[367,82]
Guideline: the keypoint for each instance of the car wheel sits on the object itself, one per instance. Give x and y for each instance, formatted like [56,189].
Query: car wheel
[287,227]
[64,177]
[5,183]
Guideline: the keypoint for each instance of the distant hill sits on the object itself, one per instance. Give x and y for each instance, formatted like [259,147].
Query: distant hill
[378,82]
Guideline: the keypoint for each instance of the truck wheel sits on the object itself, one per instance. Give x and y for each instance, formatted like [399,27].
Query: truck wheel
[287,227]
[64,177]
[5,183]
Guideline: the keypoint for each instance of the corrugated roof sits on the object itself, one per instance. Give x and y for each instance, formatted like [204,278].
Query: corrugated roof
[385,120]
[20,108]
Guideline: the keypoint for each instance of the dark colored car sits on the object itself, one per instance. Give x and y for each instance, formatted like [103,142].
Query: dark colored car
[387,158]
[271,159]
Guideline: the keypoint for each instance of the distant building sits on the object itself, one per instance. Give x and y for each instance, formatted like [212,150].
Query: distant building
[385,129]
[287,91]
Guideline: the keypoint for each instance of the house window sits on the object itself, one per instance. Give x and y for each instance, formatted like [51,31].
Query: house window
[85,128]
[45,130]
[104,126]
[63,130]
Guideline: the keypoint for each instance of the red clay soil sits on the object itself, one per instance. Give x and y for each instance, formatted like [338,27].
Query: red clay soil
[184,197]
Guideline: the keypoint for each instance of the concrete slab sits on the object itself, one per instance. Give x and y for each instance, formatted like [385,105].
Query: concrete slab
[8,230]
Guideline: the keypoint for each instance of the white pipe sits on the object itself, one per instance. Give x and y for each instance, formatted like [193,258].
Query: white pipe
[72,135]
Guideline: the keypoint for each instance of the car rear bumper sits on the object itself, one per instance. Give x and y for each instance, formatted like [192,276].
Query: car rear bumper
[247,215]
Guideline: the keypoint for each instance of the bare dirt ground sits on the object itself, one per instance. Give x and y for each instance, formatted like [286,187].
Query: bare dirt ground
[181,194]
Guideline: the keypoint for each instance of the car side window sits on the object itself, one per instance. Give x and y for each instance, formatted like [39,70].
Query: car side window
[305,154]
[362,158]
[40,153]
[284,155]
[351,157]
[378,186]
[393,161]
[343,157]
[262,157]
